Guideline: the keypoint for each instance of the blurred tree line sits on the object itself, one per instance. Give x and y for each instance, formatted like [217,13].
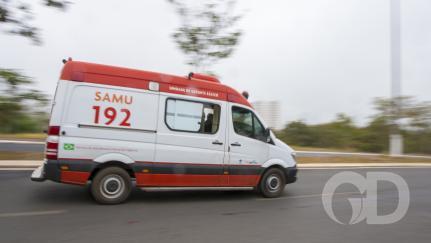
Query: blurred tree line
[414,123]
[22,108]
[16,17]
[207,31]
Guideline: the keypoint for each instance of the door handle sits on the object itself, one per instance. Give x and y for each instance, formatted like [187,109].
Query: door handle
[236,144]
[217,142]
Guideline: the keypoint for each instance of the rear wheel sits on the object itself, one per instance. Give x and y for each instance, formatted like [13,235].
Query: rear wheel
[111,185]
[272,183]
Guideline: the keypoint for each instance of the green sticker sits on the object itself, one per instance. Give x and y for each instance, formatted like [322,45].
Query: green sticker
[69,146]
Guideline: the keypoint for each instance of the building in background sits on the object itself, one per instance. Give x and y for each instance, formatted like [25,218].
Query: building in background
[270,111]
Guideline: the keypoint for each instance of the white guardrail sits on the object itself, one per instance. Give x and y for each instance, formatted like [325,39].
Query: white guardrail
[21,142]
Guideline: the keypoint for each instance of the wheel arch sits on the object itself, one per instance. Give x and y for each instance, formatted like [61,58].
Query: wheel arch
[100,166]
[274,163]
[114,157]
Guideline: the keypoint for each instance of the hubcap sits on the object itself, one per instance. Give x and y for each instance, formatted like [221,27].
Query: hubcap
[273,183]
[112,186]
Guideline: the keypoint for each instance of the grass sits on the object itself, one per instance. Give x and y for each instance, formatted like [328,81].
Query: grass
[361,159]
[301,148]
[21,155]
[24,136]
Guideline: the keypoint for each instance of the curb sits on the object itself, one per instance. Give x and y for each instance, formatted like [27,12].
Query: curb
[348,154]
[366,165]
[22,141]
[31,164]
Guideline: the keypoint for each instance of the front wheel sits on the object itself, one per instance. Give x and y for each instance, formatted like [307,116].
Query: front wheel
[272,183]
[111,185]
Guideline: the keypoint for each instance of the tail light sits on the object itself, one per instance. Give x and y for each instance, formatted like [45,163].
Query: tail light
[51,149]
[54,130]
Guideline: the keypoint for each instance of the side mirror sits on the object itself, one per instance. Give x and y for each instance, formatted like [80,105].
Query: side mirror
[268,135]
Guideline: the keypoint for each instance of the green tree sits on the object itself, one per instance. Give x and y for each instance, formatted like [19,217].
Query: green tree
[404,112]
[373,137]
[418,142]
[405,115]
[21,108]
[411,118]
[16,17]
[298,133]
[207,33]
[338,133]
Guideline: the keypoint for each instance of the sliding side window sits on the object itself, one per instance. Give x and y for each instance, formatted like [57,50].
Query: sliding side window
[192,116]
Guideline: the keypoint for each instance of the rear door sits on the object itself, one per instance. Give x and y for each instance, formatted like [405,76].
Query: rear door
[248,148]
[100,120]
[190,142]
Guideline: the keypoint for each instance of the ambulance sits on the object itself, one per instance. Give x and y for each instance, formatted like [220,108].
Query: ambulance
[114,128]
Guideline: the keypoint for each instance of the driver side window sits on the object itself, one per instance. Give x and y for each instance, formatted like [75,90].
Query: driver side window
[259,130]
[245,123]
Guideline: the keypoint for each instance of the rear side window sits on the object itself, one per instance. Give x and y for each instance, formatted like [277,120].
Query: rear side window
[245,123]
[192,116]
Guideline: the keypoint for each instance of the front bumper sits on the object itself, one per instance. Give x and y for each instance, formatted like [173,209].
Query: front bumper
[291,174]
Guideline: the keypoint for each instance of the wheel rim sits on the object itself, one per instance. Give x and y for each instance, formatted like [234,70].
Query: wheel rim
[273,183]
[112,186]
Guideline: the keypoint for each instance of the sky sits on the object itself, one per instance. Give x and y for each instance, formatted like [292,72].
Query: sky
[317,57]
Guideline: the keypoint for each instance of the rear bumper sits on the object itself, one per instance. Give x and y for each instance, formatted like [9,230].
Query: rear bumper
[291,174]
[38,174]
[50,170]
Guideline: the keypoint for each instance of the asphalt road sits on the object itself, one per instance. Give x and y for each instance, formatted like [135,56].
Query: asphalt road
[51,212]
[21,147]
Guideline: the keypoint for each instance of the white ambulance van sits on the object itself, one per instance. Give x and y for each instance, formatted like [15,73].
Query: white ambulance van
[116,127]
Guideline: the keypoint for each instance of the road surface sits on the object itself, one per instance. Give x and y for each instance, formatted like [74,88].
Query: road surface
[21,146]
[50,212]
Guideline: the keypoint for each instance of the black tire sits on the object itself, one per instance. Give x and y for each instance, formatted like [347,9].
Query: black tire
[272,183]
[111,185]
